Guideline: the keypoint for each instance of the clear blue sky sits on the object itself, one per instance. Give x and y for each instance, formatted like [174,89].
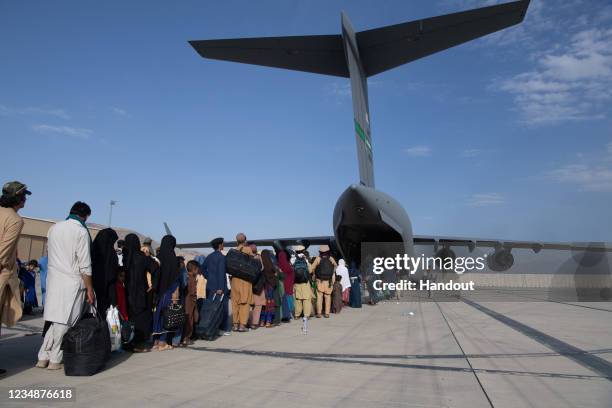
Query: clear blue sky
[509,136]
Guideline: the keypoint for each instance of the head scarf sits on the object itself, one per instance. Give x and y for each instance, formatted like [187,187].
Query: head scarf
[269,270]
[104,264]
[342,270]
[131,250]
[169,264]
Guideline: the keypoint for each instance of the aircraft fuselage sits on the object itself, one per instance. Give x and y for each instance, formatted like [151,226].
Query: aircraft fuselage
[364,214]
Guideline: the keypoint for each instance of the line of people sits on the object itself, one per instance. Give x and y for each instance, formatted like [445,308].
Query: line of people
[292,285]
[84,274]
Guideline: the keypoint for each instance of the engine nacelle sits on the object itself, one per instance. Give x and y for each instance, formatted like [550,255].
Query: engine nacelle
[501,260]
[589,258]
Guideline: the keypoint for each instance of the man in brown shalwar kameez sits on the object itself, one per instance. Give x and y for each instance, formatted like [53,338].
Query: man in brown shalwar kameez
[242,292]
[13,199]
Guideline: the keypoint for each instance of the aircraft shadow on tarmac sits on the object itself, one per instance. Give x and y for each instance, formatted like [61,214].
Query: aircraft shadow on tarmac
[355,359]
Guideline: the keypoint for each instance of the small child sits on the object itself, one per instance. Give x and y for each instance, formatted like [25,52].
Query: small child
[120,289]
[200,291]
[191,297]
[267,317]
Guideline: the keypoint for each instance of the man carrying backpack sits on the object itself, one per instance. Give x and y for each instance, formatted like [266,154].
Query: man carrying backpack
[324,267]
[302,289]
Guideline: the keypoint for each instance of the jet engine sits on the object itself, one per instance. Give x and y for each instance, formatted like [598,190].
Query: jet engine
[500,260]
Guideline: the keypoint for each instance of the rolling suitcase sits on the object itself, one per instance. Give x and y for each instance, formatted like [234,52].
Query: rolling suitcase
[242,266]
[211,316]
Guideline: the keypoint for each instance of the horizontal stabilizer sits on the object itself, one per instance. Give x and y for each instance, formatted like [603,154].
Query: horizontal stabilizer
[320,54]
[388,47]
[380,49]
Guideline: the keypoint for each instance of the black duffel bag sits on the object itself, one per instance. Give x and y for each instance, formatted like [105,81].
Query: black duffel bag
[86,346]
[173,317]
[242,266]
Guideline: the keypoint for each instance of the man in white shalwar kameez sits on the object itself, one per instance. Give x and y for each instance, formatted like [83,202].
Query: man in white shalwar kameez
[69,283]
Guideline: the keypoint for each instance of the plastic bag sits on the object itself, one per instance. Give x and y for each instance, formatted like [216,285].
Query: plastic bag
[114,327]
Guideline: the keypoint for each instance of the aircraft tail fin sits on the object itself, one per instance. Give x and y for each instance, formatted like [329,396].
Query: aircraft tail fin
[167,228]
[359,55]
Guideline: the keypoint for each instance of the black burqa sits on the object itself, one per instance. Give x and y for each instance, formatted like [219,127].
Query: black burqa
[169,265]
[104,265]
[139,310]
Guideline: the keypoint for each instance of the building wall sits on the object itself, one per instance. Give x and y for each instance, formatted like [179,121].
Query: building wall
[33,240]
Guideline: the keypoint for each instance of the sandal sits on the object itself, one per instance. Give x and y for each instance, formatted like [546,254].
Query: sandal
[164,347]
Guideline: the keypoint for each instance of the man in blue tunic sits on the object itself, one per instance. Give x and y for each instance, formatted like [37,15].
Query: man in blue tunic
[216,279]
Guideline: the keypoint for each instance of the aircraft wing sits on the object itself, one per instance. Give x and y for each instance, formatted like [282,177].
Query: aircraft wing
[306,241]
[536,247]
[435,242]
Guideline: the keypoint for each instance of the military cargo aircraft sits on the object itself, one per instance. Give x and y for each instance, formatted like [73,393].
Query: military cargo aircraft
[362,213]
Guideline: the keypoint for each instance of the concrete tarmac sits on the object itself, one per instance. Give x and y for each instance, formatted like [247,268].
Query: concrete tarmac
[447,354]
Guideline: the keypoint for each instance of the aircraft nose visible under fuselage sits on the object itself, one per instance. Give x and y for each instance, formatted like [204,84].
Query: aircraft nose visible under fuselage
[363,214]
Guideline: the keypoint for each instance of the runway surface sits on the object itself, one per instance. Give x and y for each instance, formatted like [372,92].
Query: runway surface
[464,353]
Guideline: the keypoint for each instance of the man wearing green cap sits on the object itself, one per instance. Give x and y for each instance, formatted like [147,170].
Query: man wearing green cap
[12,200]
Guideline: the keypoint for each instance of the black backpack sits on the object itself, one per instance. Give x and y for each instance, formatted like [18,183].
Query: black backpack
[302,274]
[325,269]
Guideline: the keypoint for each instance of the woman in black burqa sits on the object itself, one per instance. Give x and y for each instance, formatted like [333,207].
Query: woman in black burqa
[167,291]
[137,265]
[169,264]
[104,265]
